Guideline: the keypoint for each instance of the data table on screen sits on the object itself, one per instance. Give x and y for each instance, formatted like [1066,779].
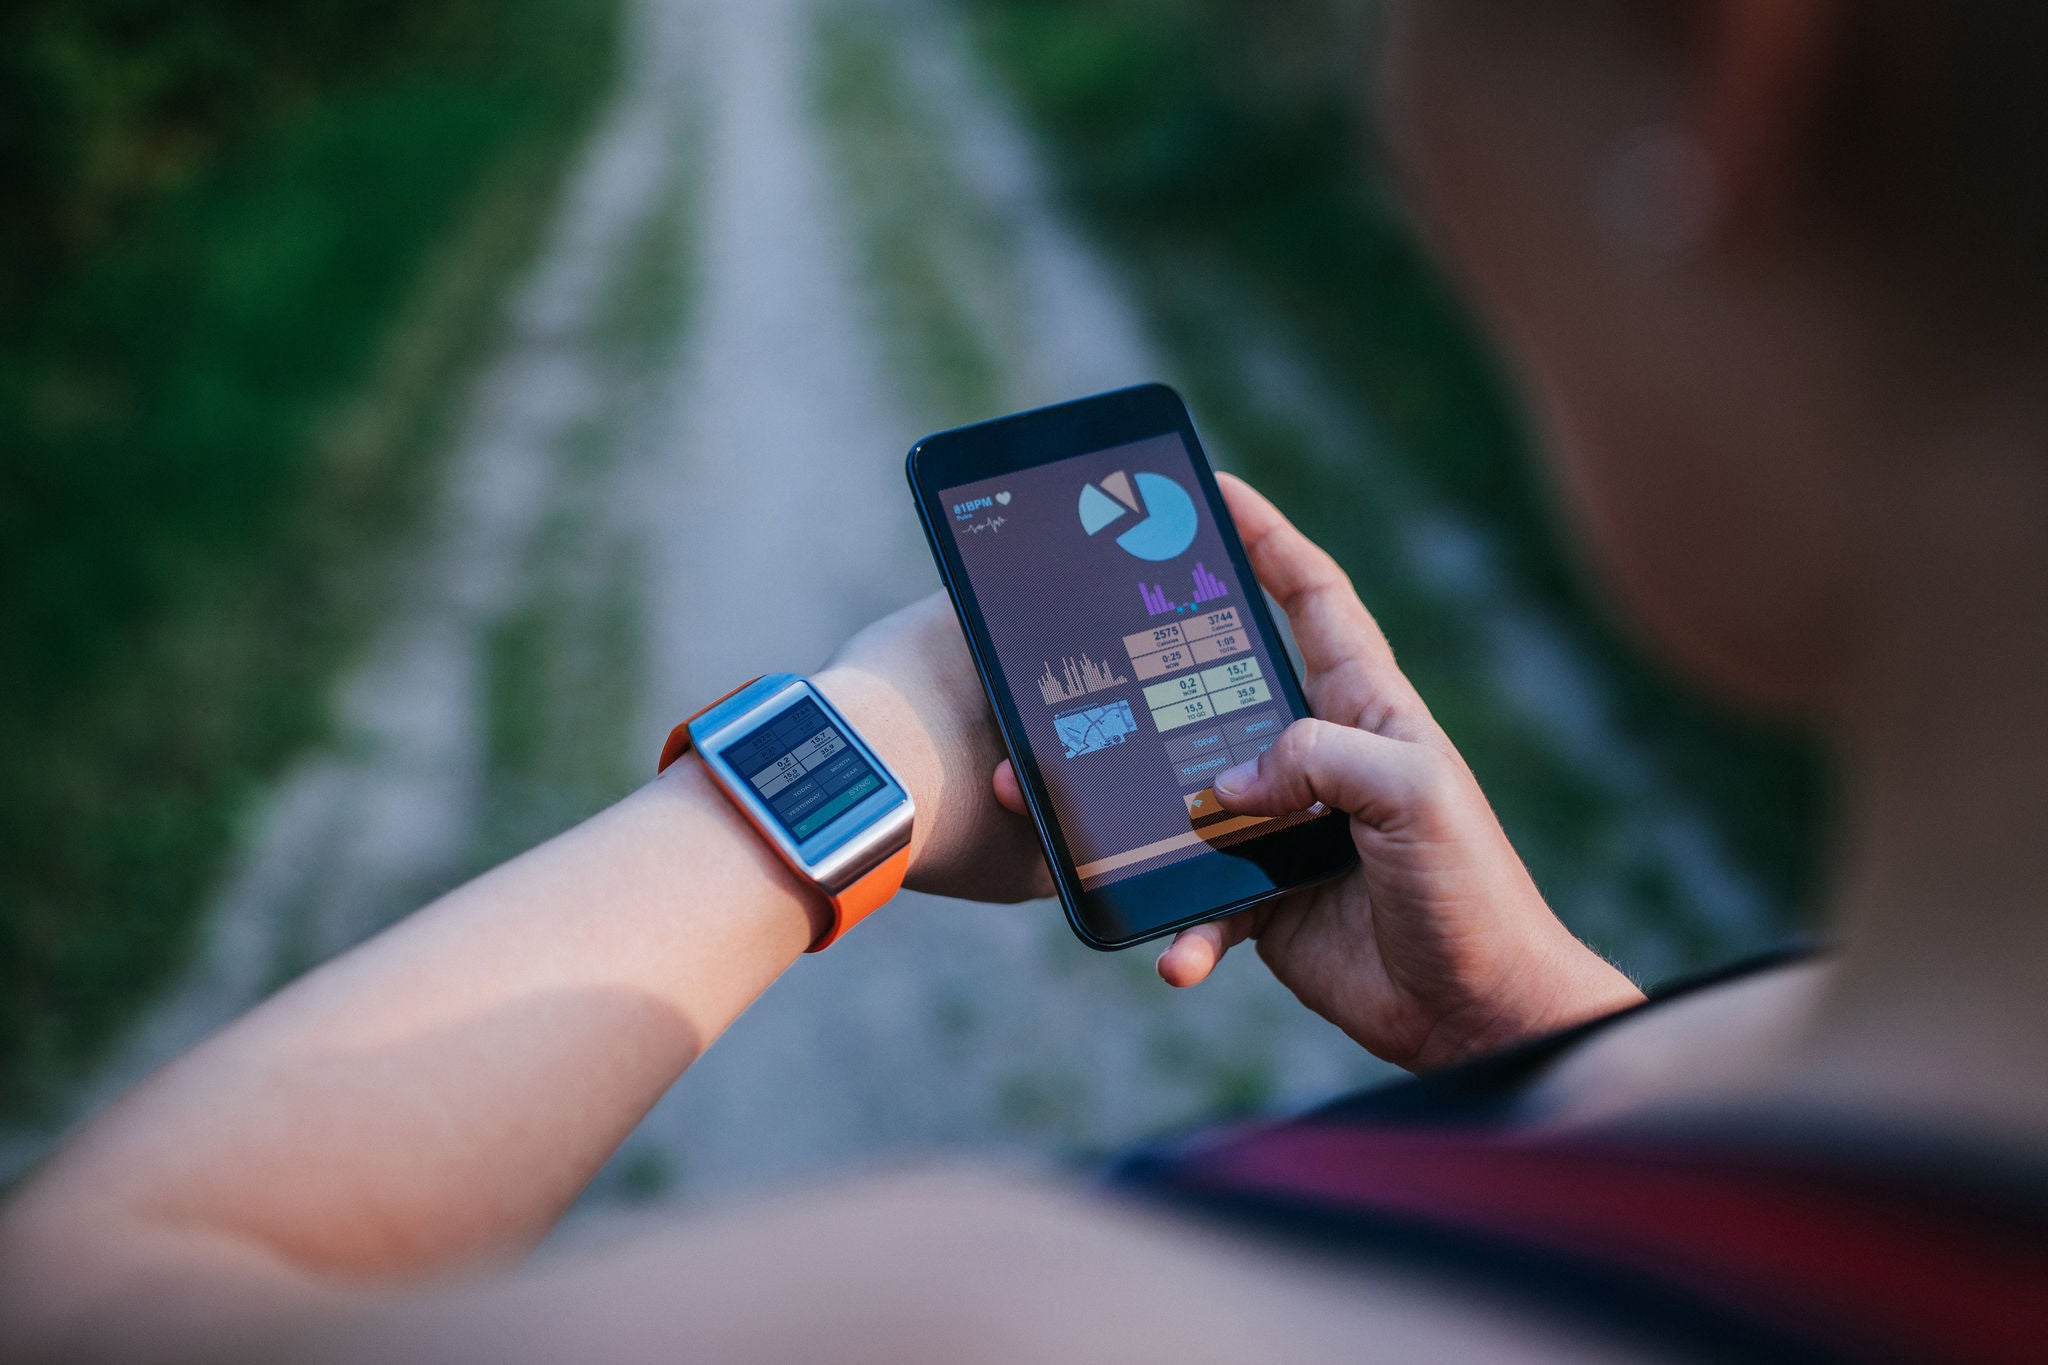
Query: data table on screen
[1167,649]
[1212,692]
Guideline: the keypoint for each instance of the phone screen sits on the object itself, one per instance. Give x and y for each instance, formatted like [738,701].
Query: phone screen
[1124,634]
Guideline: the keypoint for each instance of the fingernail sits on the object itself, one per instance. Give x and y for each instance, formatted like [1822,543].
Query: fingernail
[1235,781]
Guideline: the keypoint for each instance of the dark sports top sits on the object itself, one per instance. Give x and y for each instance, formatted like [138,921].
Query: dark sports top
[1792,1242]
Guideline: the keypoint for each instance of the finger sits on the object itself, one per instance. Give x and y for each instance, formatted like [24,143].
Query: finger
[1009,792]
[1352,675]
[1010,796]
[1194,953]
[1374,778]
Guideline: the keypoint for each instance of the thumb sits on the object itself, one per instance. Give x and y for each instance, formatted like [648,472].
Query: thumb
[1194,953]
[1365,775]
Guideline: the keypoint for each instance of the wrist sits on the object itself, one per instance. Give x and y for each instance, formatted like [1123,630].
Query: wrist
[1569,984]
[1589,987]
[1561,983]
[703,837]
[892,728]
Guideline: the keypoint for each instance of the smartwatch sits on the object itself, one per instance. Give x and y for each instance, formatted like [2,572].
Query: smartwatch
[811,787]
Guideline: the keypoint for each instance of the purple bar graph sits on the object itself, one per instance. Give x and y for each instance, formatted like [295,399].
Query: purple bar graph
[1208,587]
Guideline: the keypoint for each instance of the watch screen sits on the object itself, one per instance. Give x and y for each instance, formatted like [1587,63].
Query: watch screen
[1123,632]
[803,768]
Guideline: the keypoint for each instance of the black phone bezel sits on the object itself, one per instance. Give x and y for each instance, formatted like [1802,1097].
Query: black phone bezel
[1129,912]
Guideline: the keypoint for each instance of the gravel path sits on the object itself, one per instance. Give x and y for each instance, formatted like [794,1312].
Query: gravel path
[750,476]
[783,523]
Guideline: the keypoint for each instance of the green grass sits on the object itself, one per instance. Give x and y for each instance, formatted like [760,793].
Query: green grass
[643,315]
[216,426]
[562,666]
[561,674]
[933,259]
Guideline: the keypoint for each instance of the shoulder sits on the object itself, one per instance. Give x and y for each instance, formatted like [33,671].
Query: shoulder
[1707,1046]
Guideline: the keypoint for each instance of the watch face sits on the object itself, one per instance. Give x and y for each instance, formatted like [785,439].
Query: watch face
[803,768]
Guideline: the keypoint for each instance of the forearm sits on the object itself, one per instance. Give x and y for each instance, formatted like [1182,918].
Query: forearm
[445,1090]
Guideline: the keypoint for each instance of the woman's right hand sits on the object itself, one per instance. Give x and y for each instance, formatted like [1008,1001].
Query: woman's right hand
[1437,947]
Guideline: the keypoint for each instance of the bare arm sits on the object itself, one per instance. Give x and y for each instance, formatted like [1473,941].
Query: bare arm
[436,1098]
[421,1110]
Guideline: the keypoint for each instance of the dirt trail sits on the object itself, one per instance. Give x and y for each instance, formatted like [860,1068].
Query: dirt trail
[782,523]
[754,480]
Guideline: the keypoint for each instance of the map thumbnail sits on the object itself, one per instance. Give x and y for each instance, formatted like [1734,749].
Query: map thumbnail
[1095,727]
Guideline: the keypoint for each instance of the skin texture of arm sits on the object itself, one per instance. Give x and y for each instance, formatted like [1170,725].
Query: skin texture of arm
[442,1093]
[433,1100]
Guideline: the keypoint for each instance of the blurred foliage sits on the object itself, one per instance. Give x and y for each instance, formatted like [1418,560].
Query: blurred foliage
[105,104]
[1214,142]
[246,249]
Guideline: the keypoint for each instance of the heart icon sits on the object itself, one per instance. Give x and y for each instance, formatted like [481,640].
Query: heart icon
[1003,498]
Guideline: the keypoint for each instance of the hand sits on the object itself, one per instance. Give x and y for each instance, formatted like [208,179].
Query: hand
[908,683]
[1438,946]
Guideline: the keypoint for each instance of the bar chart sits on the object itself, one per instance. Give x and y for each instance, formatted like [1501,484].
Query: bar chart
[1207,588]
[1076,679]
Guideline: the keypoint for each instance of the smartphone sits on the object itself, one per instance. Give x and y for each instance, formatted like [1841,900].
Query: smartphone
[1128,654]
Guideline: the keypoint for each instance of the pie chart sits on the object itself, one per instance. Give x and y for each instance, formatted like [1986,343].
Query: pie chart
[1165,522]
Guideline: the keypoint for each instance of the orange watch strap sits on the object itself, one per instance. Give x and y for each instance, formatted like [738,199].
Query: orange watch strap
[850,906]
[864,897]
[679,738]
